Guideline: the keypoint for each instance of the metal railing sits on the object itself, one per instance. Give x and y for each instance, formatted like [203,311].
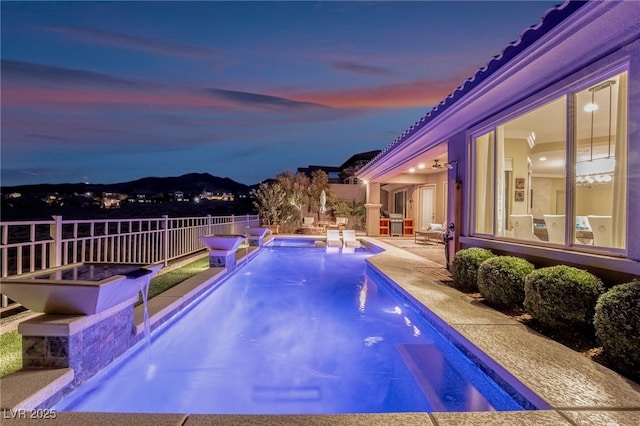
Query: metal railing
[29,246]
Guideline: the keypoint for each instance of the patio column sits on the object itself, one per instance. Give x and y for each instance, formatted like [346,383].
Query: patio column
[373,209]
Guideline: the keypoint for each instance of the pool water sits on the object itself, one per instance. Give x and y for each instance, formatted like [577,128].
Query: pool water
[294,242]
[93,272]
[295,331]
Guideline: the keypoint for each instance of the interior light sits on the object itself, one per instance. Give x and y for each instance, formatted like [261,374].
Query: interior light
[364,181]
[531,140]
[412,170]
[590,107]
[421,166]
[598,170]
[543,158]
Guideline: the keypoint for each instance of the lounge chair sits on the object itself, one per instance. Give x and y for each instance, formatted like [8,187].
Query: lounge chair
[341,222]
[434,232]
[333,240]
[349,242]
[308,221]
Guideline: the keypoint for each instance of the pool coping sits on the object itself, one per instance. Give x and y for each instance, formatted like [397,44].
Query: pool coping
[578,390]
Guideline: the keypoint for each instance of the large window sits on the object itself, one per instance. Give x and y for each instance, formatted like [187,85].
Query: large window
[523,187]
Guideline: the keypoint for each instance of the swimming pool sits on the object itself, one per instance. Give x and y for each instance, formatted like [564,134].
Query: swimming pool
[295,331]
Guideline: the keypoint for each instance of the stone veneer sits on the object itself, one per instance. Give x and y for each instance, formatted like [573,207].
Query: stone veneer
[85,343]
[222,259]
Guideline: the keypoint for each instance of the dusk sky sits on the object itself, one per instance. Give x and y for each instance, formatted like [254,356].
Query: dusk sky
[115,91]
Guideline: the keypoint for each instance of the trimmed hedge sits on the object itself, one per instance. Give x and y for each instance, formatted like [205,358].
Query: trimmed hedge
[617,323]
[501,279]
[562,296]
[464,267]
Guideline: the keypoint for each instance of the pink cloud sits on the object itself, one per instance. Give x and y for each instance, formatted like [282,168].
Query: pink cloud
[399,95]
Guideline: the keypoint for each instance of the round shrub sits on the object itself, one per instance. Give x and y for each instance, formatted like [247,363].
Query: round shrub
[501,279]
[617,323]
[464,267]
[562,296]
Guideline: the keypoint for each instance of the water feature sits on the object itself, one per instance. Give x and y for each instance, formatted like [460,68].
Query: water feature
[222,249]
[143,286]
[295,331]
[82,288]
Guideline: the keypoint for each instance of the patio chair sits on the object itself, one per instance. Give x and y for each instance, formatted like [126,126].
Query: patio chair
[308,221]
[341,222]
[349,241]
[434,232]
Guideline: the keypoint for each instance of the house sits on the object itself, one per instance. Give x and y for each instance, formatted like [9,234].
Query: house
[344,173]
[333,172]
[537,154]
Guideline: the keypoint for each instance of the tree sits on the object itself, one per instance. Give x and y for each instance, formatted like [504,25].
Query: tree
[296,187]
[270,202]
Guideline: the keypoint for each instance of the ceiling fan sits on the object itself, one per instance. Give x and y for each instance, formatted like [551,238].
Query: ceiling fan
[436,164]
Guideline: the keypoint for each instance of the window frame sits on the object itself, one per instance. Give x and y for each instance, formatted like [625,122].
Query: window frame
[568,88]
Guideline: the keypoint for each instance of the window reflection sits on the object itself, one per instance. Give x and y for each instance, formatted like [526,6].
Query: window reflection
[600,196]
[524,194]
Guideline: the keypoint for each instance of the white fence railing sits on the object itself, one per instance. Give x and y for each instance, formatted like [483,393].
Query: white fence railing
[35,245]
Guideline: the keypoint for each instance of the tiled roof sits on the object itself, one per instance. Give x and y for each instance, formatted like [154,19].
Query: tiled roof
[550,20]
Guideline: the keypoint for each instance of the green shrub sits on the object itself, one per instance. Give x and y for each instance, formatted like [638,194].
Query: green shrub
[617,323]
[501,279]
[464,267]
[562,296]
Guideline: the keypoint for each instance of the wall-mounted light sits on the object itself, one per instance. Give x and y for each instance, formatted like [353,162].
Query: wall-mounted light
[450,165]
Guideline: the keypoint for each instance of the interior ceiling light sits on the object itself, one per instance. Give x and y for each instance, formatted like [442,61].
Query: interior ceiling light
[421,166]
[412,170]
[436,164]
[531,140]
[590,107]
[597,170]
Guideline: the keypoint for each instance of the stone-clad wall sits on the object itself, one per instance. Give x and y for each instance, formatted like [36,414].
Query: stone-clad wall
[84,343]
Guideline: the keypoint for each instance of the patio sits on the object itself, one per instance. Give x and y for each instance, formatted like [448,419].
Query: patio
[579,391]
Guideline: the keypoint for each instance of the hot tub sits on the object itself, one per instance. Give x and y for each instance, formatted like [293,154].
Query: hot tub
[80,288]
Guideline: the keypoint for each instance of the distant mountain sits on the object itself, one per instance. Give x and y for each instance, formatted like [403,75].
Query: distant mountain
[189,183]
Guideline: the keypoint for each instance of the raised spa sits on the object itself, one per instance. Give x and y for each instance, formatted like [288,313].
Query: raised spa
[80,288]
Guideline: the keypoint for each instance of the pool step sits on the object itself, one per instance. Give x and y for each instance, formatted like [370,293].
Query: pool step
[441,382]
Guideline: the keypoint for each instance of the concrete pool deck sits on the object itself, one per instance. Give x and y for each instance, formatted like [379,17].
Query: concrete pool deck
[579,391]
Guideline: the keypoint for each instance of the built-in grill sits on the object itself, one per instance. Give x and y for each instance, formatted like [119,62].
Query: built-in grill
[396,223]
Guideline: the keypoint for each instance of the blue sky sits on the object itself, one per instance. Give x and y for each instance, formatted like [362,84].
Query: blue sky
[116,91]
